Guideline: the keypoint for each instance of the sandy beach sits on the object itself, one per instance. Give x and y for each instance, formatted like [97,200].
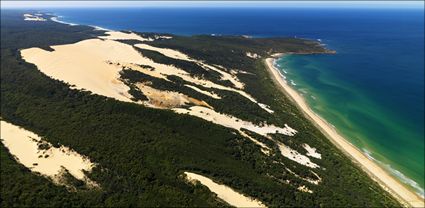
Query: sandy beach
[388,182]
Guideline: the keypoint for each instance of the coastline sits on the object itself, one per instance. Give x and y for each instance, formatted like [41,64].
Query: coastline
[385,180]
[55,18]
[392,185]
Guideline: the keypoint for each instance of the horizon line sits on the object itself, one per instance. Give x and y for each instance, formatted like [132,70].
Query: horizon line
[230,4]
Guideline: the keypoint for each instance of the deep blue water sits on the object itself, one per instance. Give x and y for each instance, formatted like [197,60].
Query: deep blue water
[372,90]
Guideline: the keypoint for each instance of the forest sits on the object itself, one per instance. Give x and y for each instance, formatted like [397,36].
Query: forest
[142,152]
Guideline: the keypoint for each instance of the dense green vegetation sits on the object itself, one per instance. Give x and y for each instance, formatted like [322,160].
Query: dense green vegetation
[141,152]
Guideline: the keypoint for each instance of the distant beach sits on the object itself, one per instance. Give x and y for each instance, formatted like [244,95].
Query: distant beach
[388,182]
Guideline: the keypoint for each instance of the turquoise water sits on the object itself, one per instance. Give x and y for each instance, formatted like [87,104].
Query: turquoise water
[382,133]
[372,90]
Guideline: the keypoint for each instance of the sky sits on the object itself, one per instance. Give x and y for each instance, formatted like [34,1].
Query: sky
[326,4]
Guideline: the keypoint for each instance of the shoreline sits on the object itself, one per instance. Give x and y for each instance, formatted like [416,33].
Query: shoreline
[377,173]
[55,18]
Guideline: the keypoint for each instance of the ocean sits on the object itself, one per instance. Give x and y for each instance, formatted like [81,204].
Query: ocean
[372,90]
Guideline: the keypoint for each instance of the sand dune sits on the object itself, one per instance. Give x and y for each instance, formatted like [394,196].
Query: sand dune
[264,148]
[162,70]
[224,192]
[30,17]
[48,161]
[95,64]
[207,93]
[181,56]
[84,64]
[224,75]
[311,151]
[310,180]
[166,52]
[87,65]
[252,55]
[304,189]
[168,99]
[296,156]
[116,35]
[233,122]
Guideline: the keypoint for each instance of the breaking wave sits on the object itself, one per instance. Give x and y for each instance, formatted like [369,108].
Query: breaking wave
[403,178]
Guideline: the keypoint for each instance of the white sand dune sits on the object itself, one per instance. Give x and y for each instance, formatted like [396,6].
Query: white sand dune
[116,35]
[264,148]
[84,64]
[314,181]
[167,99]
[311,151]
[181,56]
[233,122]
[240,125]
[265,107]
[310,180]
[252,55]
[224,75]
[166,52]
[24,145]
[304,189]
[207,93]
[95,64]
[30,17]
[388,182]
[243,72]
[296,156]
[224,192]
[156,37]
[162,70]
